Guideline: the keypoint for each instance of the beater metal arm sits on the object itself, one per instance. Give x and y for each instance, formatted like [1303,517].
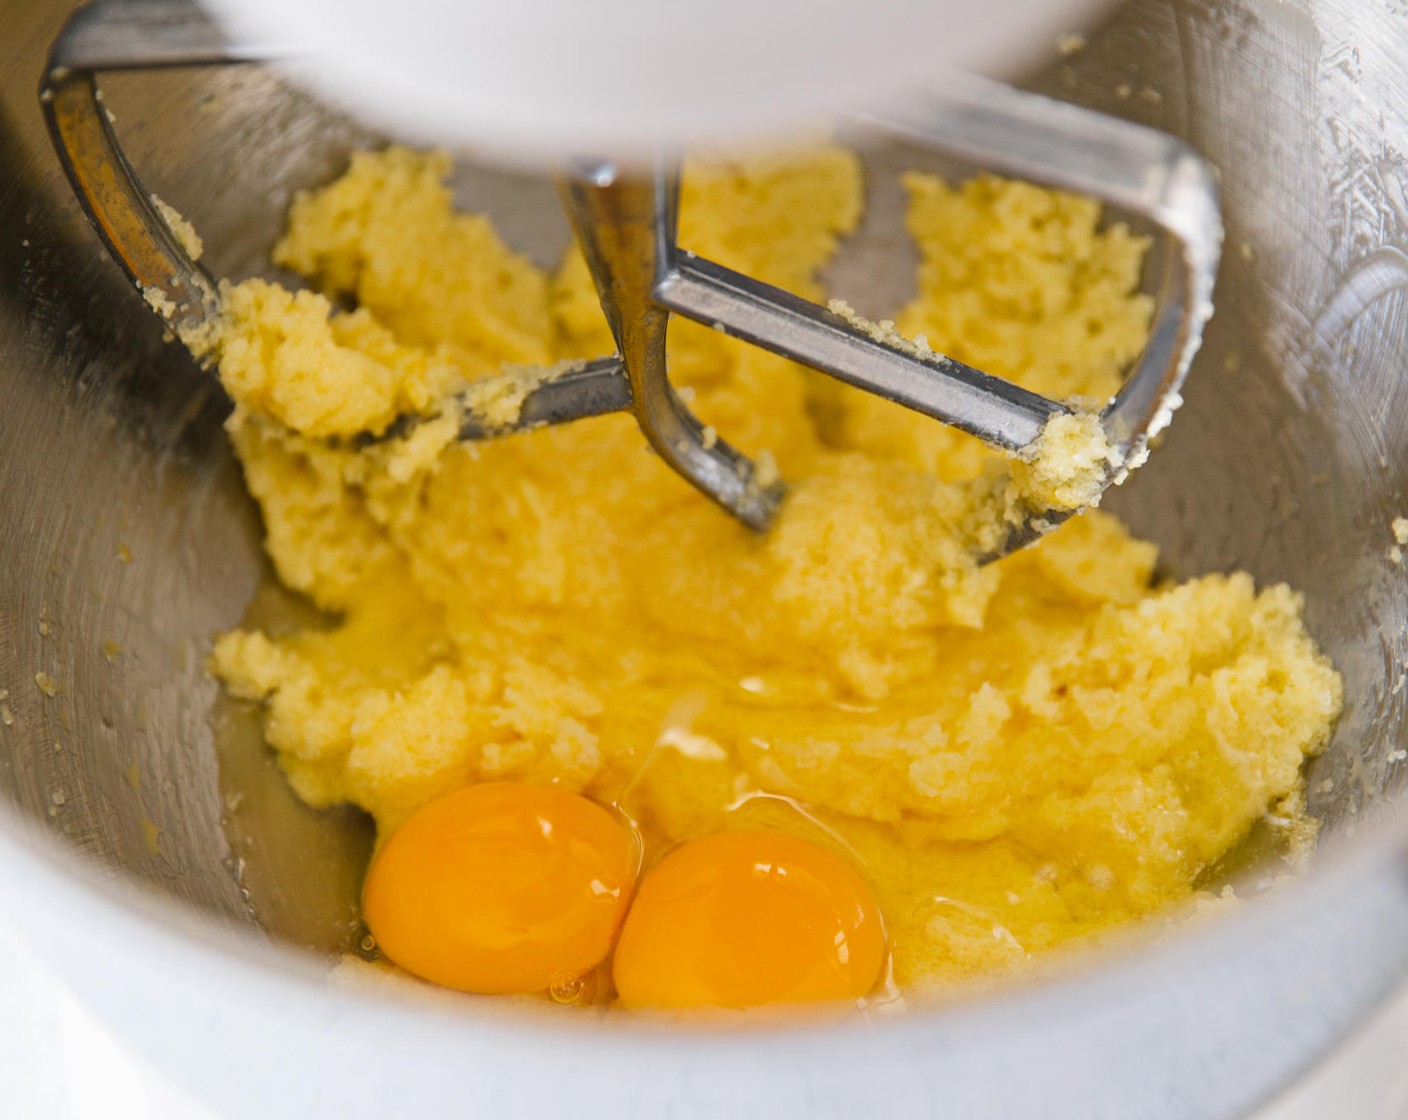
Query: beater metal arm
[161,34]
[121,34]
[996,411]
[1139,170]
[626,226]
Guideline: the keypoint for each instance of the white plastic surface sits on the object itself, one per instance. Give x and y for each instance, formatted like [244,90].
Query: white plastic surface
[58,1062]
[542,78]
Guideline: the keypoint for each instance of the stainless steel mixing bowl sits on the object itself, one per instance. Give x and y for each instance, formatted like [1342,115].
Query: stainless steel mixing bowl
[152,850]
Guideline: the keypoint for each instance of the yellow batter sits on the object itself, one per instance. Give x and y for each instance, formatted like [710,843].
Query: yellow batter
[1020,756]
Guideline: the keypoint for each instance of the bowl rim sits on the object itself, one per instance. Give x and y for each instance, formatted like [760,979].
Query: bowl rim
[53,877]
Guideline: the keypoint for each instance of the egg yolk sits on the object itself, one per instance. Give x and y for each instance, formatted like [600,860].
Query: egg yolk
[502,887]
[744,918]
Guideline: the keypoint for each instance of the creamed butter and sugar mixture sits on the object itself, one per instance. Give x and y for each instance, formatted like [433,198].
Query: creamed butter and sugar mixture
[1020,756]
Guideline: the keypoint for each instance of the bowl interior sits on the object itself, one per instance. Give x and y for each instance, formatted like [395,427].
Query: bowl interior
[128,542]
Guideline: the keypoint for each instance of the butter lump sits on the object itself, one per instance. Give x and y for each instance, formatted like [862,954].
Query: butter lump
[1023,756]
